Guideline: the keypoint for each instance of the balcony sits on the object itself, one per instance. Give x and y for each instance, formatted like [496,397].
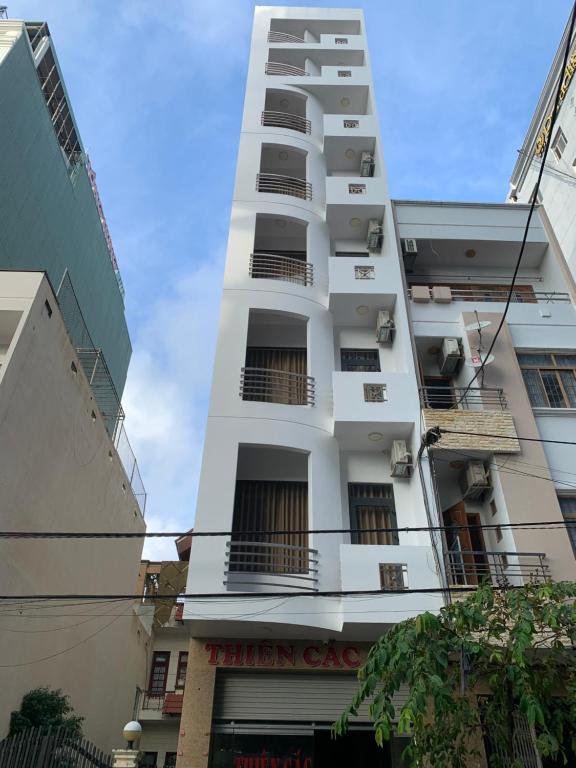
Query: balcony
[283,37]
[256,564]
[273,119]
[278,184]
[275,266]
[280,68]
[470,568]
[475,398]
[522,294]
[154,704]
[267,385]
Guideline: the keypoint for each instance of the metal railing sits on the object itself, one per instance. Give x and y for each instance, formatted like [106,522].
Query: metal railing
[469,568]
[285,565]
[273,119]
[51,747]
[284,185]
[501,295]
[271,266]
[279,68]
[161,701]
[283,37]
[266,385]
[475,398]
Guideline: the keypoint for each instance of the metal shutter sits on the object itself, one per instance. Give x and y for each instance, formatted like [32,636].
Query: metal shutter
[289,697]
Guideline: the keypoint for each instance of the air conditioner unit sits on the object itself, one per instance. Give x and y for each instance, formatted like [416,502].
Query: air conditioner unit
[385,327]
[400,460]
[375,235]
[409,253]
[366,164]
[475,481]
[450,357]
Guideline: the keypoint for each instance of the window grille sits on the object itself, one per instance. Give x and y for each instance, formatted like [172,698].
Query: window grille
[375,393]
[394,576]
[550,378]
[364,273]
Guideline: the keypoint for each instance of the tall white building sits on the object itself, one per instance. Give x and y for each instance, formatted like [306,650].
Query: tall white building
[350,325]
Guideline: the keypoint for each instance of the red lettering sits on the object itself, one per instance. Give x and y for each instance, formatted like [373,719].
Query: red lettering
[264,760]
[249,658]
[308,658]
[265,656]
[298,763]
[307,763]
[351,657]
[232,655]
[331,658]
[285,653]
[239,762]
[287,763]
[214,650]
[274,762]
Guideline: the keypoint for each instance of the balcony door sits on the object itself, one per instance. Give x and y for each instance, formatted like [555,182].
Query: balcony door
[159,673]
[372,507]
[282,374]
[467,561]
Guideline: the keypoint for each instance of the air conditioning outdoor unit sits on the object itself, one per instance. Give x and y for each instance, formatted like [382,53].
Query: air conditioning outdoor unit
[366,164]
[409,253]
[385,327]
[450,357]
[400,460]
[375,235]
[475,481]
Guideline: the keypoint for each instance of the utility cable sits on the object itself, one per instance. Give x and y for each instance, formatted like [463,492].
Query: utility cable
[533,204]
[505,437]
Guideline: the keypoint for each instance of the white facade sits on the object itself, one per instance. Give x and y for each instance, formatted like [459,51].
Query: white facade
[342,438]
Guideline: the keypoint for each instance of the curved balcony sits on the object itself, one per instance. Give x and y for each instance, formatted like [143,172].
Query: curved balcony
[259,564]
[273,119]
[278,184]
[283,37]
[271,266]
[279,68]
[266,385]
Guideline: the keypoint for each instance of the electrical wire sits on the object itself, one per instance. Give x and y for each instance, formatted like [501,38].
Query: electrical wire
[533,204]
[506,437]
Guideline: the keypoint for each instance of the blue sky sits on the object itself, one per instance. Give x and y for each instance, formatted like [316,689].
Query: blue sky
[157,90]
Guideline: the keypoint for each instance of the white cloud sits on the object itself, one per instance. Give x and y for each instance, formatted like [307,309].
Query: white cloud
[167,394]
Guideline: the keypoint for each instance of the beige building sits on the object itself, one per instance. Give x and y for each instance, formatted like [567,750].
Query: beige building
[60,470]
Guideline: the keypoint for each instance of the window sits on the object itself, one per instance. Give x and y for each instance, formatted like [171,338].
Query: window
[341,40]
[394,576]
[148,760]
[559,144]
[344,73]
[367,360]
[181,671]
[550,378]
[568,507]
[352,254]
[357,189]
[362,272]
[351,123]
[375,393]
[372,508]
[159,673]
[170,760]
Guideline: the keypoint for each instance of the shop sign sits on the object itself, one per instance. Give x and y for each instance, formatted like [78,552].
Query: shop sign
[266,760]
[283,655]
[543,135]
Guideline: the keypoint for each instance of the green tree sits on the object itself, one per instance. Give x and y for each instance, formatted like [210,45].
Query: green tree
[514,646]
[43,707]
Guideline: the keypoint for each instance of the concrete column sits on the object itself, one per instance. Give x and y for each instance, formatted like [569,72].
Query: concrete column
[125,758]
[196,721]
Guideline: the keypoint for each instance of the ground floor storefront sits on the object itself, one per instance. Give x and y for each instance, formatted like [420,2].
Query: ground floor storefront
[270,705]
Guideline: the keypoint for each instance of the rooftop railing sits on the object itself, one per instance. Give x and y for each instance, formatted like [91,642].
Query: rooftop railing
[283,37]
[282,565]
[278,184]
[475,398]
[501,295]
[279,68]
[271,266]
[266,385]
[273,119]
[470,568]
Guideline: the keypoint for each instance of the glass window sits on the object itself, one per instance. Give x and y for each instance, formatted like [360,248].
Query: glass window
[182,667]
[550,378]
[559,144]
[367,360]
[159,673]
[568,507]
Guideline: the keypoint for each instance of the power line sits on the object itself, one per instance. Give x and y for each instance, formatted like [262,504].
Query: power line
[532,205]
[506,437]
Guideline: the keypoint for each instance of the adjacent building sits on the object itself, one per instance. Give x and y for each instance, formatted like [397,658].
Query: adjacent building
[351,325]
[65,462]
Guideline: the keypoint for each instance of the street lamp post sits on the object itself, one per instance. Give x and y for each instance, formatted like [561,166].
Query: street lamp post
[128,758]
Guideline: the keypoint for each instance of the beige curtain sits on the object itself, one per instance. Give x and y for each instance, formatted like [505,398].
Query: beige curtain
[276,387]
[267,505]
[377,512]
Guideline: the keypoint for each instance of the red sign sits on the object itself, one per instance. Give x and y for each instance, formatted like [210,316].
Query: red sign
[282,655]
[266,760]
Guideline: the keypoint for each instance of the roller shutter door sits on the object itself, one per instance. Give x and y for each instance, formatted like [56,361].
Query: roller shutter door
[289,697]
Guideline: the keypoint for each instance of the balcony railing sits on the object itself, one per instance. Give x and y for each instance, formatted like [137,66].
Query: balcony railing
[266,385]
[279,68]
[284,185]
[283,37]
[501,295]
[166,702]
[271,564]
[273,119]
[470,568]
[272,266]
[475,398]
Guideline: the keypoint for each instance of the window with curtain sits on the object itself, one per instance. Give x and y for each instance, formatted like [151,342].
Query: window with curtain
[550,378]
[568,507]
[276,375]
[372,507]
[270,505]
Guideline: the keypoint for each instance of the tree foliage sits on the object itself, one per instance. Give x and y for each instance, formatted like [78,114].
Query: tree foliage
[513,646]
[43,707]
